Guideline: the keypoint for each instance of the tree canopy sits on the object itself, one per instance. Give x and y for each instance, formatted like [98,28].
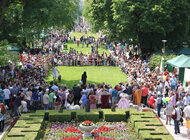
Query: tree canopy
[147,22]
[25,18]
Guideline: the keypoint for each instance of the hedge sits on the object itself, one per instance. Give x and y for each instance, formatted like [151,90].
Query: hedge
[32,125]
[148,127]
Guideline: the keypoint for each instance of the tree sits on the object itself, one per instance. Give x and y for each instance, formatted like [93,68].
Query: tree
[26,18]
[5,55]
[147,22]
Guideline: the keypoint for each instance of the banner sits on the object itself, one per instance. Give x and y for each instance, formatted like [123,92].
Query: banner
[187,75]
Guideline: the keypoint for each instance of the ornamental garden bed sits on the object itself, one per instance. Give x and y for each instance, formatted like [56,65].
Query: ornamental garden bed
[103,131]
[55,125]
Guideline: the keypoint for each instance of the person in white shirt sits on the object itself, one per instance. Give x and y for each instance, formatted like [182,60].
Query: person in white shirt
[46,100]
[187,117]
[7,96]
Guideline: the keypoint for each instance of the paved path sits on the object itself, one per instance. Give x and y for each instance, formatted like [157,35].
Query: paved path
[183,130]
[8,123]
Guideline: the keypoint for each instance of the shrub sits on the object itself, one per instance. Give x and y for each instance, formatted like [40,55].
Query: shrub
[88,116]
[155,59]
[60,118]
[101,115]
[73,116]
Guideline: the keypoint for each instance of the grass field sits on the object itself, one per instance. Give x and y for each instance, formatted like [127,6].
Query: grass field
[79,34]
[98,74]
[85,49]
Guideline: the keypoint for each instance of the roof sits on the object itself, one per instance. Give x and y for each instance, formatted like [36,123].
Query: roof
[13,48]
[181,61]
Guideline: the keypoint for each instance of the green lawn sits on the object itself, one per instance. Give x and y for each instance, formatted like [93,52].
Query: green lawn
[95,74]
[78,34]
[85,49]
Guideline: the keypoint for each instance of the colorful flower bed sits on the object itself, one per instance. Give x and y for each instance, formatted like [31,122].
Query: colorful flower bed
[104,131]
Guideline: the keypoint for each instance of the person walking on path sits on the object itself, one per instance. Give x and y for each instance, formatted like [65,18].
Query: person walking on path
[187,117]
[177,116]
[168,112]
[159,104]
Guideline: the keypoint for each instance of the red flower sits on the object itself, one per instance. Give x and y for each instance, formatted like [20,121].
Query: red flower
[87,122]
[103,138]
[72,138]
[72,129]
[103,129]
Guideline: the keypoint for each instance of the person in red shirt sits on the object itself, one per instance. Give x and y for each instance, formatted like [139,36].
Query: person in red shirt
[151,102]
[145,91]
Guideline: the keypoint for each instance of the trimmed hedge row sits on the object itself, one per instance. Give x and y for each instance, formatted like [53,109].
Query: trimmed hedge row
[26,128]
[32,126]
[80,115]
[149,127]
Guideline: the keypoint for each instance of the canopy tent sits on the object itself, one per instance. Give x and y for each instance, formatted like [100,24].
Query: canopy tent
[13,48]
[180,62]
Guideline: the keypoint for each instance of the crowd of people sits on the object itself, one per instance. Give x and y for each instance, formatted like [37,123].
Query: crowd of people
[23,87]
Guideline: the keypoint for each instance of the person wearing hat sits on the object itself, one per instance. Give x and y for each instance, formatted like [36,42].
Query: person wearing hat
[123,102]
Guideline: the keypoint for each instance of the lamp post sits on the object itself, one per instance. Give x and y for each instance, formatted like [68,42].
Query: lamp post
[164,48]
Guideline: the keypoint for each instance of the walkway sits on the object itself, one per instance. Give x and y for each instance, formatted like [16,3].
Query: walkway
[8,123]
[183,130]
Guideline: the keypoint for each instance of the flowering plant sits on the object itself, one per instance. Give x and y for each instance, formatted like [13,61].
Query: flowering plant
[87,123]
[71,129]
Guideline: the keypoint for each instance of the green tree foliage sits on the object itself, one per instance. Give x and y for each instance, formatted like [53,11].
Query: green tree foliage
[155,59]
[146,21]
[5,55]
[26,18]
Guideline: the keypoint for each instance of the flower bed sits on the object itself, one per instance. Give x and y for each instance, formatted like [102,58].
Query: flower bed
[104,131]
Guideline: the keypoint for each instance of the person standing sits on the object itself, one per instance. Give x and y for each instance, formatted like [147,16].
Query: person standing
[92,99]
[187,117]
[145,91]
[2,97]
[177,113]
[168,112]
[51,99]
[137,96]
[114,96]
[46,100]
[76,91]
[55,73]
[83,78]
[7,96]
[84,100]
[159,104]
[2,116]
[17,103]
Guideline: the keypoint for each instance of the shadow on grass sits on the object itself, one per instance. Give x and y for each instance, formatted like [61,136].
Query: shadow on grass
[71,83]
